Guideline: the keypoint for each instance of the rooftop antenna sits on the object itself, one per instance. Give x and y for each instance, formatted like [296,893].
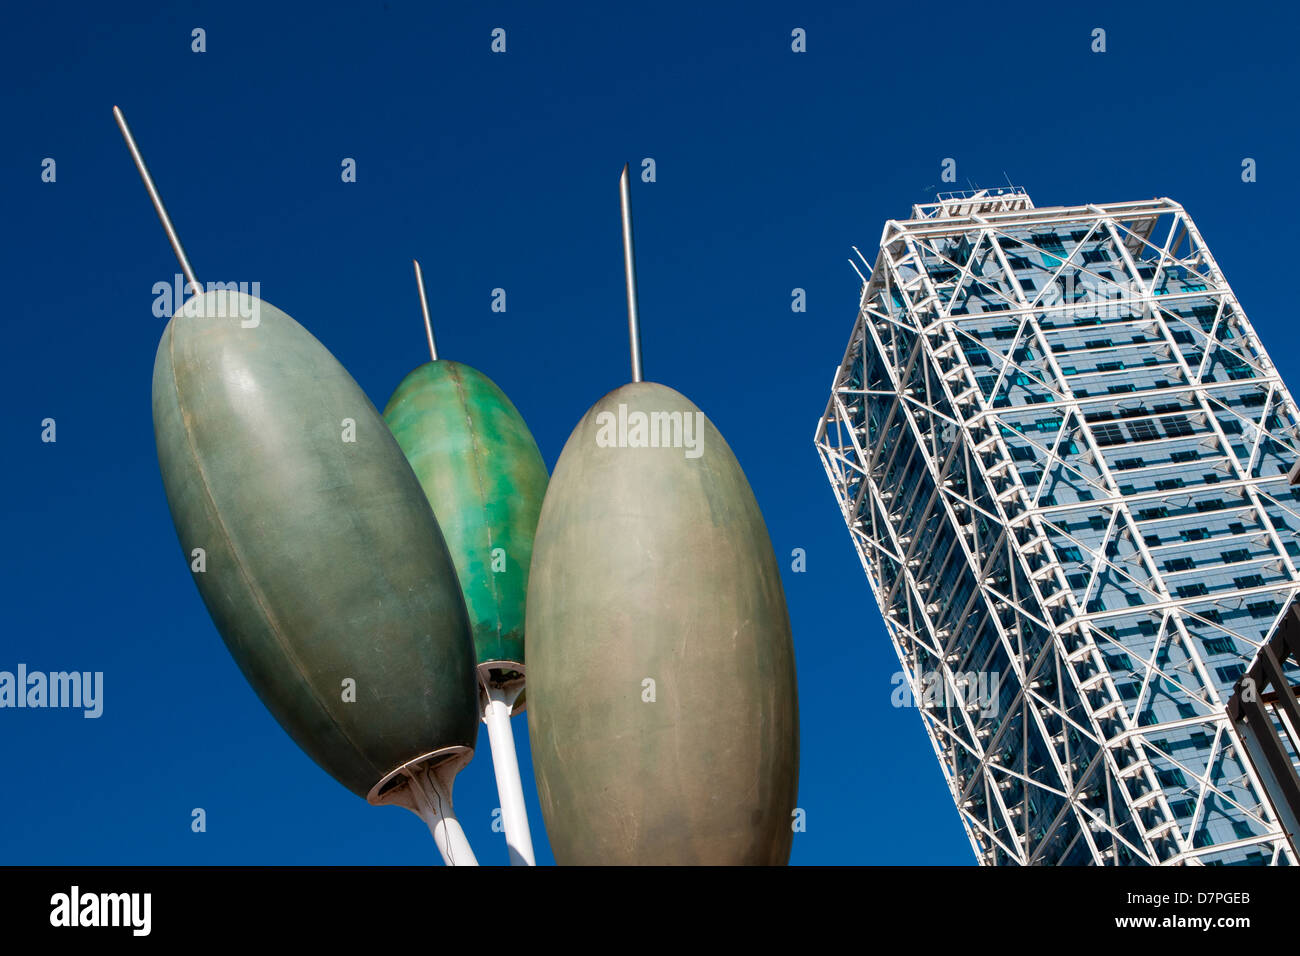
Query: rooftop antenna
[629,272]
[158,206]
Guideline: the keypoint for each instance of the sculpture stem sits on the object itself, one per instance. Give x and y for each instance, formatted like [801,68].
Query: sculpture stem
[498,702]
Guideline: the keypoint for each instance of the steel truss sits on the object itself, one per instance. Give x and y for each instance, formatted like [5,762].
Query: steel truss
[1061,453]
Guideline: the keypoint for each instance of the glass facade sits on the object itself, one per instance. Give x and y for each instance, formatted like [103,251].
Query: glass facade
[1062,455]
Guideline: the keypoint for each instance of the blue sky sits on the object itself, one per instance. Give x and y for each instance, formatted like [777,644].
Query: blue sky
[500,171]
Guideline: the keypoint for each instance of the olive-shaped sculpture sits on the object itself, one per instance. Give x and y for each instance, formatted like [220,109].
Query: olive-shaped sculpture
[323,567]
[314,547]
[661,684]
[485,479]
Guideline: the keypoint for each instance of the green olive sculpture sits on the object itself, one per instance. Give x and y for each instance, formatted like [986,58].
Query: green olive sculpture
[485,479]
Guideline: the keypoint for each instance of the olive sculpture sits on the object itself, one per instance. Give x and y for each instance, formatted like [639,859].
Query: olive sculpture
[324,569]
[662,704]
[485,479]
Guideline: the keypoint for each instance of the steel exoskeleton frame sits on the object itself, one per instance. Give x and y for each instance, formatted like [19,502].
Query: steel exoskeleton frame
[1001,542]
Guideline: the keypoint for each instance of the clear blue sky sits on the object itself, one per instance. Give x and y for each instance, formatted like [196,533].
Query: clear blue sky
[501,171]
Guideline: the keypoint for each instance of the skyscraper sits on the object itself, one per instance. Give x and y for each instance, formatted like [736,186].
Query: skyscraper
[1062,454]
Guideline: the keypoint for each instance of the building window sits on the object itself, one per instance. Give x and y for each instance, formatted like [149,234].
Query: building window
[1235,556]
[1048,242]
[1173,777]
[1262,609]
[1192,590]
[1143,431]
[1108,434]
[1230,673]
[1219,645]
[1179,564]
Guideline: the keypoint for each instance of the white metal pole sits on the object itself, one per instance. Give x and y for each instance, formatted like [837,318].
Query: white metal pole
[497,705]
[432,792]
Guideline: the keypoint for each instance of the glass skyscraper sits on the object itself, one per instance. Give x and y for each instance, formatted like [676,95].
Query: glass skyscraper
[1062,452]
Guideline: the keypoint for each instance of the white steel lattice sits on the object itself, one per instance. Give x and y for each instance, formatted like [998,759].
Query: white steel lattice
[1062,454]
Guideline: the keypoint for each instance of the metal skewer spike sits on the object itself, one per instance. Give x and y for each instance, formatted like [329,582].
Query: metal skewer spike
[424,307]
[629,272]
[172,237]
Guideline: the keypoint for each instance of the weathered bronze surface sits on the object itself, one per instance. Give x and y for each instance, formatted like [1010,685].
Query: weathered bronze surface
[651,565]
[324,563]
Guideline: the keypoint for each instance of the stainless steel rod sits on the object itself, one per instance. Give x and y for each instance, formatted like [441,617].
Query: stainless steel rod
[424,307]
[174,239]
[629,271]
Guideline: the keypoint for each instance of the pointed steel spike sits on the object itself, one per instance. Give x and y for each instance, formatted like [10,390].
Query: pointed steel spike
[172,237]
[424,307]
[629,271]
